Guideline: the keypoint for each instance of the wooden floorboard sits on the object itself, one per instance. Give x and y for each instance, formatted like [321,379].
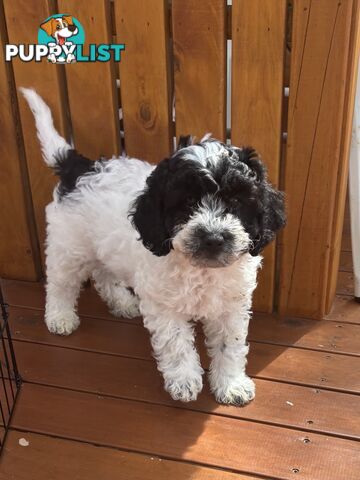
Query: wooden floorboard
[315,335]
[48,458]
[345,309]
[295,406]
[132,339]
[269,361]
[32,295]
[180,434]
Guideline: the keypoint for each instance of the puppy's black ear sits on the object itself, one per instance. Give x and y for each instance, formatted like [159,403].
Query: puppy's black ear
[185,141]
[250,157]
[272,219]
[147,214]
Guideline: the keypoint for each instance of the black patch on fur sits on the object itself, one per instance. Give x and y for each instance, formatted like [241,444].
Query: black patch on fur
[177,185]
[259,206]
[148,212]
[173,189]
[70,167]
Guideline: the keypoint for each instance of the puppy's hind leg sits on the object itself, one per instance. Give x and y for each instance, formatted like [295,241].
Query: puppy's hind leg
[121,301]
[65,275]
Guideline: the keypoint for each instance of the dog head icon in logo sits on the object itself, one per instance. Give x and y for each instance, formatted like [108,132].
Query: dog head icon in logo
[62,33]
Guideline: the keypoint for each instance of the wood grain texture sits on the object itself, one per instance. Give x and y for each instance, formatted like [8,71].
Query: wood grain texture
[19,258]
[313,162]
[23,19]
[258,49]
[342,180]
[212,440]
[92,86]
[57,459]
[199,39]
[308,408]
[144,74]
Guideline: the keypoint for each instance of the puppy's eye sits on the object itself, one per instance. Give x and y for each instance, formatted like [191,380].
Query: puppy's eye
[58,27]
[235,201]
[65,24]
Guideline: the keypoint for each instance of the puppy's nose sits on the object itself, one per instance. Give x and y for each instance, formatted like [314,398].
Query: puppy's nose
[213,241]
[72,28]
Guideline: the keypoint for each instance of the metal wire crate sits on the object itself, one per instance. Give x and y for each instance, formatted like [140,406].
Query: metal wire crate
[10,380]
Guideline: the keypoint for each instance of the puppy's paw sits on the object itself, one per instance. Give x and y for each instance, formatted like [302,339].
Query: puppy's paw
[62,323]
[185,390]
[127,309]
[239,391]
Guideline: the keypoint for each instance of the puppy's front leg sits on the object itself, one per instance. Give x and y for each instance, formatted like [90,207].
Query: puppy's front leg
[172,339]
[228,349]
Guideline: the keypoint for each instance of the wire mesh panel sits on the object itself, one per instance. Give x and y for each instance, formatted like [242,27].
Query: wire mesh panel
[9,376]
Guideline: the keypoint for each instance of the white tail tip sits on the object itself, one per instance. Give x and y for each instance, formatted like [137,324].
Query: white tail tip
[52,144]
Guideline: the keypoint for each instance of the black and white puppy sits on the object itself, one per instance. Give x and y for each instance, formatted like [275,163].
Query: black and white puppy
[185,235]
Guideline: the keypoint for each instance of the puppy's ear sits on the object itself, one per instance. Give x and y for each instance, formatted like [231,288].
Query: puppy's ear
[185,141]
[68,19]
[49,26]
[272,219]
[250,157]
[147,214]
[253,161]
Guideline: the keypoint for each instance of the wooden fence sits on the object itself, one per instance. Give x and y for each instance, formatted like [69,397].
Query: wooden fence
[179,50]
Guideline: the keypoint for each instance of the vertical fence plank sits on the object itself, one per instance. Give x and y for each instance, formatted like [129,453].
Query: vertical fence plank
[18,245]
[199,36]
[317,91]
[258,49]
[144,77]
[336,236]
[92,86]
[23,19]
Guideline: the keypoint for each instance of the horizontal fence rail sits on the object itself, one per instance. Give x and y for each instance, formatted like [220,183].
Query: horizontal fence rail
[192,67]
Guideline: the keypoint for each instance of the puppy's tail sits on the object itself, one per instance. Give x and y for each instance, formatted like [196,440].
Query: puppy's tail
[52,144]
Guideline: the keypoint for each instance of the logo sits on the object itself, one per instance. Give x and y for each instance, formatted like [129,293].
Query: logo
[61,39]
[62,33]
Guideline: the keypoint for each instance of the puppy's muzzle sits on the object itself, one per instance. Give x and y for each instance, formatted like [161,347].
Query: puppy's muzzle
[212,244]
[214,248]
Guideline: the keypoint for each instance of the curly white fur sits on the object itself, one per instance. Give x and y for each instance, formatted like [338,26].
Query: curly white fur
[89,234]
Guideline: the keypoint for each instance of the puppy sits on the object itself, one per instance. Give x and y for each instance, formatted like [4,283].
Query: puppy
[185,235]
[61,29]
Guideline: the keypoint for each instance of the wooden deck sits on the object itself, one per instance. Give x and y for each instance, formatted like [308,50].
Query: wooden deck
[92,405]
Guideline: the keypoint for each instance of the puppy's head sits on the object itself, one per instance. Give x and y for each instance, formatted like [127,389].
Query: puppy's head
[60,28]
[209,201]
